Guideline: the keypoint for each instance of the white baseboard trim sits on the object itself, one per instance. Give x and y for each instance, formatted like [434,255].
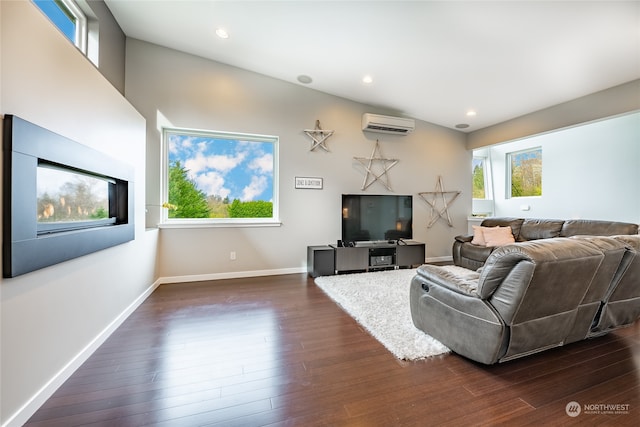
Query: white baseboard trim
[229,275]
[253,273]
[23,414]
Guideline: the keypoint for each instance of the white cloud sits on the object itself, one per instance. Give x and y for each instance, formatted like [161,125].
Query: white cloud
[212,183]
[263,164]
[200,163]
[255,188]
[225,163]
[179,143]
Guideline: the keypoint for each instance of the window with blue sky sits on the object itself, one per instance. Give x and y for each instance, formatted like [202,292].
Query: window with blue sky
[60,15]
[218,175]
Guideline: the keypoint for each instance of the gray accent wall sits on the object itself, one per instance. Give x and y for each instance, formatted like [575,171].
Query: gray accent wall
[171,88]
[111,42]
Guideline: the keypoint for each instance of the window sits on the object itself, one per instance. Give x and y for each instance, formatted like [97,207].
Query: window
[480,186]
[68,199]
[69,18]
[525,173]
[219,178]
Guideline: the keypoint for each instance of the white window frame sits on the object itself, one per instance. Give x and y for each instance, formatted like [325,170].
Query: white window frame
[486,168]
[85,26]
[166,222]
[82,28]
[508,162]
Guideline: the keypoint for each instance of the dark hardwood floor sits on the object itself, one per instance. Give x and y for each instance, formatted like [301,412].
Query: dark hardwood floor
[276,351]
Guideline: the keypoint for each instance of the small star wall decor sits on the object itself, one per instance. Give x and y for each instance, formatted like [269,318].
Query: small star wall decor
[376,159]
[434,197]
[319,136]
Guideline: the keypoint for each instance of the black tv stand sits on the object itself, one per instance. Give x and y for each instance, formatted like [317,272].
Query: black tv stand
[366,256]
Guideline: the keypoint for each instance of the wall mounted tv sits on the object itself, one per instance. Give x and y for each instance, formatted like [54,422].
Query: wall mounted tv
[372,218]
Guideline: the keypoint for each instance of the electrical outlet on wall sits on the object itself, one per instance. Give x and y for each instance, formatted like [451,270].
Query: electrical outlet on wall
[232,255]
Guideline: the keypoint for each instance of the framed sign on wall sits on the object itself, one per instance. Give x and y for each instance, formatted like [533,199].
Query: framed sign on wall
[306,182]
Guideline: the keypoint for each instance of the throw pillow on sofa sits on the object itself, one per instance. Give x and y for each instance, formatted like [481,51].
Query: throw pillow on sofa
[492,236]
[498,236]
[478,236]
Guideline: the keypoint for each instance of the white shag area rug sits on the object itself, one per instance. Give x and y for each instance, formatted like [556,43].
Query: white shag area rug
[379,301]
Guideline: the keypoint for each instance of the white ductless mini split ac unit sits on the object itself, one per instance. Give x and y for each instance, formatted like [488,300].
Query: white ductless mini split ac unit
[387,124]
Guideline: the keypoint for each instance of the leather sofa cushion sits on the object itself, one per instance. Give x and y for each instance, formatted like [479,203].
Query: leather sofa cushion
[456,279]
[576,227]
[476,253]
[535,229]
[632,241]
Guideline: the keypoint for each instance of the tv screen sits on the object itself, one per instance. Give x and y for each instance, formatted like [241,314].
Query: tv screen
[371,218]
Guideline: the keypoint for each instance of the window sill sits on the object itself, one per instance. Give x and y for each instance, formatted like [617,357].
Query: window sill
[220,224]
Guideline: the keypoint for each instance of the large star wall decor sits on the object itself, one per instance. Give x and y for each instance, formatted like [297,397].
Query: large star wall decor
[438,210]
[318,136]
[384,166]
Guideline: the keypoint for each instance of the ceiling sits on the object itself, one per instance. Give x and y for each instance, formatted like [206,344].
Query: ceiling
[430,60]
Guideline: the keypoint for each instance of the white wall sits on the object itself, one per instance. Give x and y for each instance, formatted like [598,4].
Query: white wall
[177,89]
[590,171]
[52,318]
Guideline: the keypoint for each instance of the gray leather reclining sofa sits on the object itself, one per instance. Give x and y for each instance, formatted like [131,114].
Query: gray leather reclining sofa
[468,255]
[530,296]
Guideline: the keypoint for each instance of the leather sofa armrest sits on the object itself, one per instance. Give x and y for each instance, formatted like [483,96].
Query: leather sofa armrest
[464,238]
[456,279]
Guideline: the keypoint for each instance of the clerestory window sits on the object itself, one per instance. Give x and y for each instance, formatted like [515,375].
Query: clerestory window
[68,16]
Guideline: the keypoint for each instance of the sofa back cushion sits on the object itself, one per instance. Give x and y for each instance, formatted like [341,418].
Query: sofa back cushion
[577,227]
[613,251]
[534,229]
[632,241]
[604,280]
[540,285]
[622,302]
[558,274]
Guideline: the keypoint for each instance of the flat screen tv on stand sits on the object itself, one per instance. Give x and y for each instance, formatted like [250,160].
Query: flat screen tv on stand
[376,218]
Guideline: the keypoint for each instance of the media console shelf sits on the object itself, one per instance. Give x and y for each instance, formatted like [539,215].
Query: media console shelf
[332,259]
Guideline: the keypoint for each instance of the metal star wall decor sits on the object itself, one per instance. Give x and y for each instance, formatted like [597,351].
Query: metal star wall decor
[372,176]
[433,197]
[318,136]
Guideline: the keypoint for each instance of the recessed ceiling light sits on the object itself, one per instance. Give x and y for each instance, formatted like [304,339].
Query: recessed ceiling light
[462,126]
[304,79]
[367,79]
[471,113]
[222,33]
